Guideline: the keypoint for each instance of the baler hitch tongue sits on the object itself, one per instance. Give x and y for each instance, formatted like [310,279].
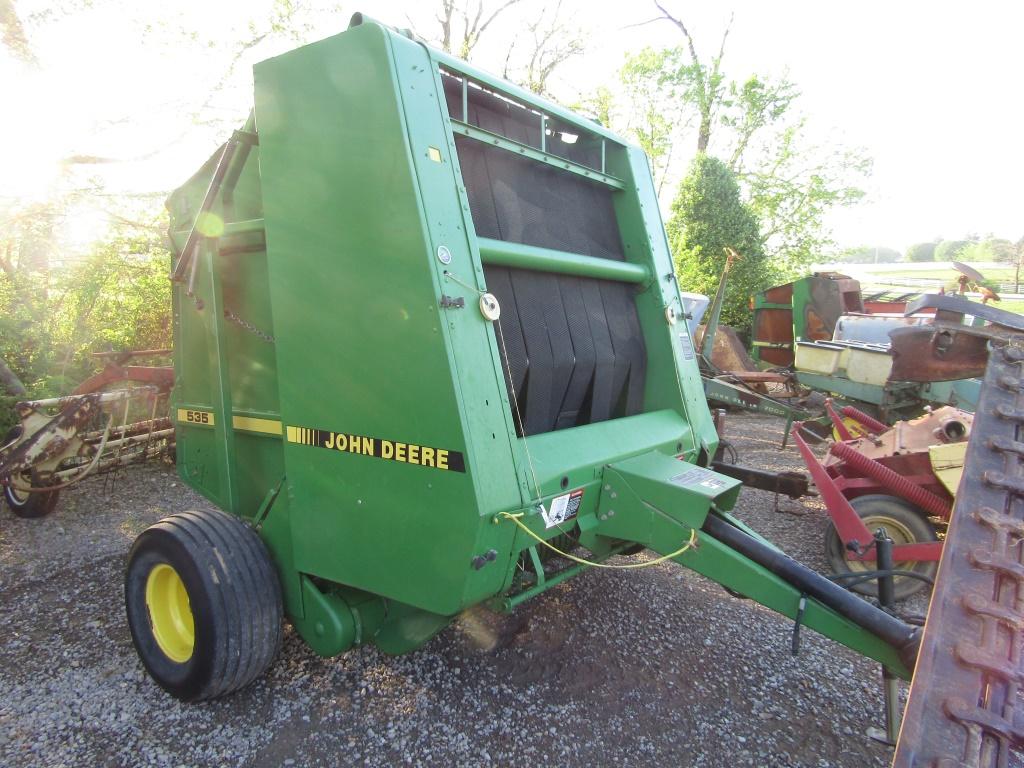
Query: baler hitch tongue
[904,638]
[657,501]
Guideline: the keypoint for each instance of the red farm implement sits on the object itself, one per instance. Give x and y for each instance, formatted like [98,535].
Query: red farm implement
[117,417]
[901,479]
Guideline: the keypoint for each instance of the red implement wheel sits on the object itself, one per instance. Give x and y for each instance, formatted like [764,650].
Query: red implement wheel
[904,524]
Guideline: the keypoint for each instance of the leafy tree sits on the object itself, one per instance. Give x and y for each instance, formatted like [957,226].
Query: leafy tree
[655,110]
[702,81]
[789,182]
[708,217]
[990,249]
[920,252]
[599,106]
[949,250]
[793,188]
[756,104]
[115,298]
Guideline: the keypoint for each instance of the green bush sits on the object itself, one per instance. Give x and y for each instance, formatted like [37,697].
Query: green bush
[51,320]
[707,217]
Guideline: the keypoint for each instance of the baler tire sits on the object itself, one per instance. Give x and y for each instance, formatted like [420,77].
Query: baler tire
[204,604]
[904,523]
[31,505]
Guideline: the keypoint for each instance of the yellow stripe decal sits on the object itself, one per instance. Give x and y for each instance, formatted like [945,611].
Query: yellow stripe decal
[252,424]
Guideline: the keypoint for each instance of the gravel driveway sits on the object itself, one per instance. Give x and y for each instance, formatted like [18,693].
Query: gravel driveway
[657,666]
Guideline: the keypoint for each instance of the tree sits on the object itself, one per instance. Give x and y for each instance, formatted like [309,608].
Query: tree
[990,249]
[475,19]
[550,37]
[551,42]
[789,182]
[656,111]
[1018,261]
[599,106]
[792,189]
[949,250]
[704,83]
[12,33]
[756,104]
[921,252]
[708,217]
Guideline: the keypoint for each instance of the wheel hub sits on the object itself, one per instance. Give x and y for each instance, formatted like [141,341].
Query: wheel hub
[170,613]
[895,530]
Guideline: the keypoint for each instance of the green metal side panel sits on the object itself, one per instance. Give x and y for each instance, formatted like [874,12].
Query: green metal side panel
[252,365]
[363,348]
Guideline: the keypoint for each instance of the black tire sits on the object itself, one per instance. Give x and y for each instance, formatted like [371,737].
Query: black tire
[31,505]
[904,523]
[232,598]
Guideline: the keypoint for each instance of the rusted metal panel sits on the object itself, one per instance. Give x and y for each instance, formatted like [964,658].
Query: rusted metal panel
[929,353]
[963,709]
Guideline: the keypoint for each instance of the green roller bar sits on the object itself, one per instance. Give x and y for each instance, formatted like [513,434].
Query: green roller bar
[508,254]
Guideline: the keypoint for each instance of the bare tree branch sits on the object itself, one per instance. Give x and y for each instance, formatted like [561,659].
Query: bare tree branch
[708,79]
[473,30]
[12,34]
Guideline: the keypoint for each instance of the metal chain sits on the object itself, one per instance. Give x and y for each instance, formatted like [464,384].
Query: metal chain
[248,326]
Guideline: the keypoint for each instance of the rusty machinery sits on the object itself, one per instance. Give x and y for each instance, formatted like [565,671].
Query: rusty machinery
[114,418]
[901,478]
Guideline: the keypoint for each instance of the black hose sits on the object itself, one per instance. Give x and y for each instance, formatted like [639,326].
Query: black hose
[854,578]
[904,638]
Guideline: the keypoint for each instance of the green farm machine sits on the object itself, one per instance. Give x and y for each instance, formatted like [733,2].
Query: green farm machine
[429,353]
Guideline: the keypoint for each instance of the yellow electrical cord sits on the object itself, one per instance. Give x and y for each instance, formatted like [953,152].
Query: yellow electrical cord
[515,519]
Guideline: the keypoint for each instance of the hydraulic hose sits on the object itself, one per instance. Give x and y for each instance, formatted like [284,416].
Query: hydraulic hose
[903,637]
[893,481]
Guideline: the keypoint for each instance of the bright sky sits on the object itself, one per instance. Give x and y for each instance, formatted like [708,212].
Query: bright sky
[930,90]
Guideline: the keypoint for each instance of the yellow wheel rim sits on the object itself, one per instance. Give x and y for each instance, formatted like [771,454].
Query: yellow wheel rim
[170,613]
[897,531]
[853,427]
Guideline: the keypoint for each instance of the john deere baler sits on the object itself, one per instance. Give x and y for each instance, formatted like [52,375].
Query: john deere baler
[429,353]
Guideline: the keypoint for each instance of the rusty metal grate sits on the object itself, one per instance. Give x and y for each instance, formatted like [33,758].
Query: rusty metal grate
[964,705]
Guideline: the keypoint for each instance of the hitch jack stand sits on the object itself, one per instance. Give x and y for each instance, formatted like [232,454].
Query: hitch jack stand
[887,599]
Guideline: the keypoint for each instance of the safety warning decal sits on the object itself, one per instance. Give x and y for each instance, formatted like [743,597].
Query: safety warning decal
[686,345]
[701,477]
[562,508]
[379,448]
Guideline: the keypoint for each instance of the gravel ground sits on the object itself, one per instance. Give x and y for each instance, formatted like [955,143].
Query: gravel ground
[656,666]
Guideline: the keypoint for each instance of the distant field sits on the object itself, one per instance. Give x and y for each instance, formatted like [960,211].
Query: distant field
[912,278]
[999,274]
[1011,305]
